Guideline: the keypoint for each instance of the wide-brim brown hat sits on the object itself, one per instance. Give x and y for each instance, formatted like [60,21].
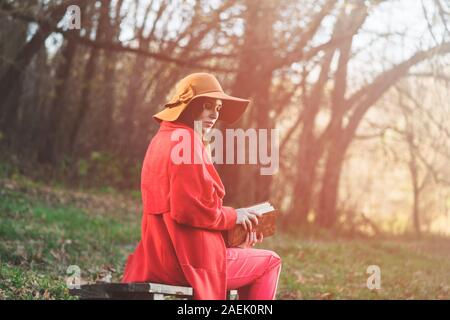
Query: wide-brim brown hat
[197,85]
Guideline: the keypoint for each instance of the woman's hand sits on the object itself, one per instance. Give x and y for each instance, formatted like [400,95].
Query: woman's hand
[245,217]
[251,239]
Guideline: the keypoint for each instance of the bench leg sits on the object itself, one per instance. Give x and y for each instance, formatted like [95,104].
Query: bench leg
[158,296]
[232,295]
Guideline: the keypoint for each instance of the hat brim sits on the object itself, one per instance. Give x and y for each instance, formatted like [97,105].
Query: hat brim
[232,108]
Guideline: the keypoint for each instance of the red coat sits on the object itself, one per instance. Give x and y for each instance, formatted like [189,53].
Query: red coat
[183,220]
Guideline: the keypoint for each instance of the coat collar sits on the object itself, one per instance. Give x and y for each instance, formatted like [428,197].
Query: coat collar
[173,125]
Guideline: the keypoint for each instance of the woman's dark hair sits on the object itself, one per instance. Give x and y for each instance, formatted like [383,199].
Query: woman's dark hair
[192,112]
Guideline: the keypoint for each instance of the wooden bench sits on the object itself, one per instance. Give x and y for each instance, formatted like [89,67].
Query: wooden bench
[136,291]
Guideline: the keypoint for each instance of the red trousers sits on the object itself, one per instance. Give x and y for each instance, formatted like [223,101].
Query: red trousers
[253,272]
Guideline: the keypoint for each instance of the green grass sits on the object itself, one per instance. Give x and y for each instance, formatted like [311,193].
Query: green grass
[43,231]
[337,269]
[39,241]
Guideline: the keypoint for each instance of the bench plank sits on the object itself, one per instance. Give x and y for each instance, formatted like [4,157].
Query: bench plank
[134,291]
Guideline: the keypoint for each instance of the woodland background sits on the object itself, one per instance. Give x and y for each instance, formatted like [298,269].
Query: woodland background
[358,89]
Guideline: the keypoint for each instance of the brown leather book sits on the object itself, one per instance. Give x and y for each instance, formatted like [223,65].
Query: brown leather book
[266,224]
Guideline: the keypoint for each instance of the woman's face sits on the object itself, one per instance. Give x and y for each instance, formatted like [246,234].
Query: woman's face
[210,113]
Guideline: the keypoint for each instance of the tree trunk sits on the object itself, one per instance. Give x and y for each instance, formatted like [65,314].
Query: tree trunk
[416,212]
[303,190]
[10,79]
[360,103]
[108,32]
[326,206]
[10,82]
[48,146]
[85,104]
[253,65]
[309,150]
[414,172]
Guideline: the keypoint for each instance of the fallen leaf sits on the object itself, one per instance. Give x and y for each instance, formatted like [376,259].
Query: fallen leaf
[340,289]
[326,296]
[46,295]
[299,277]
